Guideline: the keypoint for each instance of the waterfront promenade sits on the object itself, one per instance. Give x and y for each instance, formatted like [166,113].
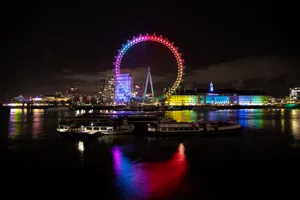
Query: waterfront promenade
[154,108]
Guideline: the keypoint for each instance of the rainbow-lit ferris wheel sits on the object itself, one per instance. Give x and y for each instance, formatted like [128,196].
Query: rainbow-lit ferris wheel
[152,38]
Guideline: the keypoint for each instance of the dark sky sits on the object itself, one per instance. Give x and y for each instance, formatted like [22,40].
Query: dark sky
[50,46]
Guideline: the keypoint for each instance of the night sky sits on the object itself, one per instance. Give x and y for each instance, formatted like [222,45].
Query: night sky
[51,46]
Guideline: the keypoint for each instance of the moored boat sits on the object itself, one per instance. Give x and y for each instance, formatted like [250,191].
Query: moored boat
[192,128]
[94,127]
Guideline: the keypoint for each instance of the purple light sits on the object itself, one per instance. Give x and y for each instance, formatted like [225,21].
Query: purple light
[117,156]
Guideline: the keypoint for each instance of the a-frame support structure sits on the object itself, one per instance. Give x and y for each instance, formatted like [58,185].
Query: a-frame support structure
[146,84]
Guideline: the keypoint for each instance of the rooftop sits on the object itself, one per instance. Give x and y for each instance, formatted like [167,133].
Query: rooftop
[221,91]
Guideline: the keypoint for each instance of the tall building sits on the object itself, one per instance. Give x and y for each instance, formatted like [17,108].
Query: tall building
[123,89]
[295,93]
[211,87]
[102,90]
[106,89]
[110,89]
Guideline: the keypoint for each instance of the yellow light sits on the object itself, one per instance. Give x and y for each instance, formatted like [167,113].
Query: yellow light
[80,146]
[183,100]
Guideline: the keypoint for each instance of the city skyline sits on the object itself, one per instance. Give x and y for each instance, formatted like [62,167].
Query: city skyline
[76,46]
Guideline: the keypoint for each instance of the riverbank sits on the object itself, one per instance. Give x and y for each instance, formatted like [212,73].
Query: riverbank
[160,108]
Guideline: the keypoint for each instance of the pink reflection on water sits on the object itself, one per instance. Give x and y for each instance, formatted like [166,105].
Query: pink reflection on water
[37,121]
[117,156]
[148,180]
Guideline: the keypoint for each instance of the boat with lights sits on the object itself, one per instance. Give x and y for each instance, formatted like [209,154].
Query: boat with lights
[171,128]
[94,127]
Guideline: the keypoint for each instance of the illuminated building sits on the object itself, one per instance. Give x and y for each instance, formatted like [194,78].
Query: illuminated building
[295,93]
[182,100]
[217,97]
[201,99]
[102,89]
[252,100]
[106,89]
[49,98]
[211,87]
[60,99]
[184,97]
[252,97]
[123,89]
[110,89]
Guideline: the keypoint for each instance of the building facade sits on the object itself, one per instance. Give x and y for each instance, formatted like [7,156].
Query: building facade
[106,90]
[102,90]
[193,100]
[123,89]
[257,100]
[183,100]
[295,93]
[110,89]
[217,97]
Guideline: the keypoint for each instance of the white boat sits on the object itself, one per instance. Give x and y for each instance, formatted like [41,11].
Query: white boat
[191,128]
[96,128]
[105,129]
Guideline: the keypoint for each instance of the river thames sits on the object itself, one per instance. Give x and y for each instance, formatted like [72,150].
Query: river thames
[261,163]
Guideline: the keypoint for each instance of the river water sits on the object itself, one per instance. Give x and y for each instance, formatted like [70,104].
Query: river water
[262,163]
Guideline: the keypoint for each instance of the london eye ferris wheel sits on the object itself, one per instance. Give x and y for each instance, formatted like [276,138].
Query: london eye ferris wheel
[119,86]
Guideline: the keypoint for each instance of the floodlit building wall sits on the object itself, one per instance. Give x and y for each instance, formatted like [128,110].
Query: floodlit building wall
[182,100]
[252,100]
[123,89]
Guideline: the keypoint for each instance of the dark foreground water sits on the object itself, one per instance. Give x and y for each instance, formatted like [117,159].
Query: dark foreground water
[261,164]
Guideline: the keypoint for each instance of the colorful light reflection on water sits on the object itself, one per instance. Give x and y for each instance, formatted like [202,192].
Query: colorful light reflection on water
[295,128]
[276,119]
[182,115]
[23,122]
[37,121]
[149,180]
[15,123]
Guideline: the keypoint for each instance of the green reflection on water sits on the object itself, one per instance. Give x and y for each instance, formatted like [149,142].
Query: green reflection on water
[15,120]
[258,123]
[182,115]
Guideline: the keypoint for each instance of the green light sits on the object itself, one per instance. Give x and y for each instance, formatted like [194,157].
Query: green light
[289,105]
